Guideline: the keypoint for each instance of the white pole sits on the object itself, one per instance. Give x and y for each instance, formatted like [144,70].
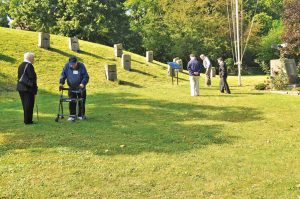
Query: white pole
[238,42]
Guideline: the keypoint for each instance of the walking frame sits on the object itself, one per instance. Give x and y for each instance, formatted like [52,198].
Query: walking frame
[60,114]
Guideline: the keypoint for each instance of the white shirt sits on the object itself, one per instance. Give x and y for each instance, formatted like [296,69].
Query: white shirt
[206,62]
[26,60]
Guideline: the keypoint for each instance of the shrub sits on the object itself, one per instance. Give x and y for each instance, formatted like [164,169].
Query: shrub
[260,86]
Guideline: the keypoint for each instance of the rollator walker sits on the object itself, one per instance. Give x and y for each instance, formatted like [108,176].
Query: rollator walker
[60,114]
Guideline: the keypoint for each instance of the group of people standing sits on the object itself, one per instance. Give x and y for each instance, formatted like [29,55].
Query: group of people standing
[77,78]
[194,68]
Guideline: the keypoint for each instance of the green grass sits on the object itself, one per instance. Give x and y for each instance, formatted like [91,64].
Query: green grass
[244,145]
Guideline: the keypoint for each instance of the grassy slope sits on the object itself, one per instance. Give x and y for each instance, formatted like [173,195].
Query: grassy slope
[245,145]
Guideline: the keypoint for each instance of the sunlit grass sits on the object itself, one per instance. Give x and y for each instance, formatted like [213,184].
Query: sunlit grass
[146,138]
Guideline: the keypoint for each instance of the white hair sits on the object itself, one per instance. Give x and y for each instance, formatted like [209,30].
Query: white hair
[202,56]
[28,55]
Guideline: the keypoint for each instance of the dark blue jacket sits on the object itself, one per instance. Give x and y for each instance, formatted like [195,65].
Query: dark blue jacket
[74,77]
[194,66]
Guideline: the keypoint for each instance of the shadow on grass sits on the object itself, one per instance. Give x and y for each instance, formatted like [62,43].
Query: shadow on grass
[123,123]
[6,83]
[63,53]
[125,83]
[7,58]
[90,54]
[142,72]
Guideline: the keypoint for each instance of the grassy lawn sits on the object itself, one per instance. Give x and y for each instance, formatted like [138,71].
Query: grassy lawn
[144,138]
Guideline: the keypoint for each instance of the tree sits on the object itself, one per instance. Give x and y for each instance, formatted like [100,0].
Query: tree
[291,33]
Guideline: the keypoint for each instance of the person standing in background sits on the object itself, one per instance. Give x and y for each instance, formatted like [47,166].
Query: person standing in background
[194,72]
[223,76]
[27,86]
[207,66]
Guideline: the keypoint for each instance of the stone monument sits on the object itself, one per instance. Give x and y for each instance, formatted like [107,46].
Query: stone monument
[180,63]
[149,56]
[118,50]
[126,62]
[111,72]
[44,40]
[74,44]
[289,67]
[213,72]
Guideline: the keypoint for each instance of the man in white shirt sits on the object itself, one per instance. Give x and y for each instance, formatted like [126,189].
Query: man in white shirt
[207,66]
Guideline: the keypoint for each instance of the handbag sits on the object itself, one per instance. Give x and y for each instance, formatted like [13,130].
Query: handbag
[24,79]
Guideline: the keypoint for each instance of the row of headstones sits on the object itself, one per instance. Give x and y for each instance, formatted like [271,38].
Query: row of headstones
[44,42]
[111,69]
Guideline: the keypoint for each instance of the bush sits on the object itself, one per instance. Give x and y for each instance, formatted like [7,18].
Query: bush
[261,86]
[280,81]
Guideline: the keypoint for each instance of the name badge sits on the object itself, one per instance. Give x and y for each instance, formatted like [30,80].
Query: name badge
[75,72]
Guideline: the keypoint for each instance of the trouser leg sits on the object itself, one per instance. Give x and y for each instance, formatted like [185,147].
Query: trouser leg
[226,86]
[81,105]
[28,104]
[196,87]
[222,85]
[208,77]
[72,104]
[192,84]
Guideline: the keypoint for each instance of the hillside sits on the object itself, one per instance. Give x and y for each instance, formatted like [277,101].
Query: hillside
[49,63]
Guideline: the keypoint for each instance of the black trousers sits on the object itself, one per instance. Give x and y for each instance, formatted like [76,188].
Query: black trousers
[27,99]
[224,85]
[81,105]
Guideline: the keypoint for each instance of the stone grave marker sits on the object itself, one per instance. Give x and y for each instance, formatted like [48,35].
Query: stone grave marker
[126,62]
[213,72]
[118,50]
[180,63]
[111,72]
[74,44]
[44,40]
[149,56]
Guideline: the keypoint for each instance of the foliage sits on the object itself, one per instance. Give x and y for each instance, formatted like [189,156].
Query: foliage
[265,50]
[260,86]
[101,21]
[291,26]
[280,80]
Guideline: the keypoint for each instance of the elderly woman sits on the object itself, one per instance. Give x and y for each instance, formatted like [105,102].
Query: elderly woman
[27,86]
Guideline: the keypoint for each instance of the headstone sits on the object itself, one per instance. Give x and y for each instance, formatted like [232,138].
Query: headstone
[175,59]
[289,68]
[126,62]
[213,72]
[118,50]
[74,44]
[111,72]
[149,56]
[179,62]
[44,40]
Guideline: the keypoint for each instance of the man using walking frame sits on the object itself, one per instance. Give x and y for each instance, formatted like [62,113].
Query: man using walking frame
[77,79]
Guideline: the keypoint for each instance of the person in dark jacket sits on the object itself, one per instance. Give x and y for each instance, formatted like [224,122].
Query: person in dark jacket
[77,78]
[28,87]
[223,76]
[194,67]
